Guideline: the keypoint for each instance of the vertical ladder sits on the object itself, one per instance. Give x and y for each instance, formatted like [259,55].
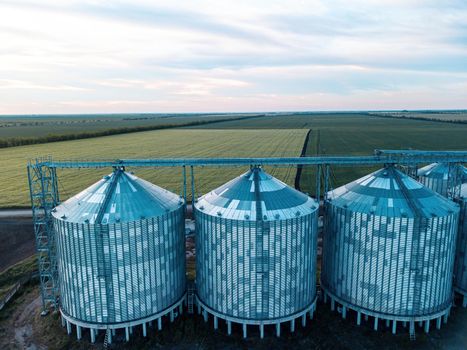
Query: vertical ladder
[106,339]
[190,296]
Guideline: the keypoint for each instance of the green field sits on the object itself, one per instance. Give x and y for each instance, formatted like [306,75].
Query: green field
[161,143]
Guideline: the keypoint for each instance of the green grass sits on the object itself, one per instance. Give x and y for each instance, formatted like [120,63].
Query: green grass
[9,277]
[151,144]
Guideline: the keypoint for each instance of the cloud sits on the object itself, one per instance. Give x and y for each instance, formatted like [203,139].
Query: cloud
[265,54]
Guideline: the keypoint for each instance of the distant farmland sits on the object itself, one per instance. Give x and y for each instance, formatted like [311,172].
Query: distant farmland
[163,143]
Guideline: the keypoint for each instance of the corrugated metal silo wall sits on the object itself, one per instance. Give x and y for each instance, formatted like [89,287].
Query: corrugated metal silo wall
[460,271]
[256,270]
[393,266]
[436,184]
[121,272]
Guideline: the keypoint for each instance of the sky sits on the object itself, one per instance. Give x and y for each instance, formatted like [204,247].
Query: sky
[231,56]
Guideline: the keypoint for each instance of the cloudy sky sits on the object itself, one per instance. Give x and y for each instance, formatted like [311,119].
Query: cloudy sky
[243,55]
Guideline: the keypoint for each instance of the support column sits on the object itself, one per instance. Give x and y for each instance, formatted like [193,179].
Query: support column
[159,323]
[93,335]
[333,304]
[127,334]
[427,326]
[113,332]
[420,323]
[229,327]
[304,320]
[445,317]
[376,324]
[63,321]
[366,317]
[412,328]
[131,330]
[359,318]
[261,331]
[199,309]
[344,312]
[109,339]
[180,309]
[394,326]
[244,330]
[388,322]
[438,323]
[215,322]
[404,324]
[68,327]
[312,313]
[78,332]
[292,325]
[171,315]
[278,330]
[205,315]
[144,329]
[464,301]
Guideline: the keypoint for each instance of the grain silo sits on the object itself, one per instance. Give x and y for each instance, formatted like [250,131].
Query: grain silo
[121,255]
[460,269]
[389,248]
[444,178]
[256,253]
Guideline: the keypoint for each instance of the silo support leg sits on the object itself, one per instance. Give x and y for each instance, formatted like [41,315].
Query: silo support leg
[278,330]
[292,325]
[68,327]
[412,328]
[205,315]
[344,312]
[394,326]
[438,323]
[446,315]
[113,332]
[229,327]
[420,323]
[159,323]
[171,315]
[93,335]
[366,317]
[427,326]
[388,323]
[180,309]
[63,321]
[244,330]
[78,332]
[261,331]
[404,324]
[304,320]
[109,339]
[215,322]
[312,311]
[131,330]
[376,324]
[199,309]
[333,304]
[127,334]
[359,318]
[464,301]
[144,329]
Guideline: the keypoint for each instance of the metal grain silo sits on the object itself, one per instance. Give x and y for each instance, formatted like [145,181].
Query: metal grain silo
[460,269]
[256,252]
[444,178]
[389,248]
[121,255]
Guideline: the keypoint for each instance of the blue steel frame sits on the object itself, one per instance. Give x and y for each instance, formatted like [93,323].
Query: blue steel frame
[44,192]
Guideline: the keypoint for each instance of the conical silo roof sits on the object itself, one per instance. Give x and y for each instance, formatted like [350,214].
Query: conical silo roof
[255,196]
[389,192]
[441,171]
[118,197]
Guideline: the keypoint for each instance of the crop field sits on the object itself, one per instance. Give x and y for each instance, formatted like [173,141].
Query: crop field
[454,116]
[160,143]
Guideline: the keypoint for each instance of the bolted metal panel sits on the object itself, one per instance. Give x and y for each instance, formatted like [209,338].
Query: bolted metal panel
[460,270]
[115,270]
[256,248]
[443,178]
[389,246]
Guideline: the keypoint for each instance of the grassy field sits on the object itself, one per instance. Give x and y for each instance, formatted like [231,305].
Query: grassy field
[161,143]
